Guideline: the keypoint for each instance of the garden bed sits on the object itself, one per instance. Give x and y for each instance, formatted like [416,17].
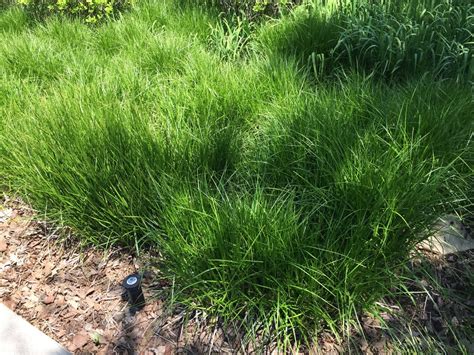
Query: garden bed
[73,294]
[282,170]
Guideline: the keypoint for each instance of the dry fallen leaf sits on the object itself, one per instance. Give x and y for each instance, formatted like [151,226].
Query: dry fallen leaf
[9,303]
[48,299]
[90,291]
[70,314]
[60,332]
[363,345]
[48,267]
[60,300]
[80,340]
[5,214]
[3,244]
[73,303]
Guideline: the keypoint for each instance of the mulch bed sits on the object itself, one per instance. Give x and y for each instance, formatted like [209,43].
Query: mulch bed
[74,295]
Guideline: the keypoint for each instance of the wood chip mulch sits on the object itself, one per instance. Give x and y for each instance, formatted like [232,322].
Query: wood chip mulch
[75,296]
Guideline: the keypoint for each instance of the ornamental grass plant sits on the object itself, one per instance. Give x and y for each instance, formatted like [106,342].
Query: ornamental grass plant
[281,199]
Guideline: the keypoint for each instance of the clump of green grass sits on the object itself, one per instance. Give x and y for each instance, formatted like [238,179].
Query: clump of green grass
[392,40]
[283,205]
[406,42]
[231,38]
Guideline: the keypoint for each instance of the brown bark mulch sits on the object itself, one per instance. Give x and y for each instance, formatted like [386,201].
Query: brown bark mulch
[74,295]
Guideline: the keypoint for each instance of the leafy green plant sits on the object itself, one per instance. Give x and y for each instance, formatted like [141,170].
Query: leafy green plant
[4,4]
[393,40]
[231,38]
[92,11]
[436,40]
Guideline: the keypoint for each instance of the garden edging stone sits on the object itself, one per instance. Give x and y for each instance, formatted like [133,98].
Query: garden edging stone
[18,337]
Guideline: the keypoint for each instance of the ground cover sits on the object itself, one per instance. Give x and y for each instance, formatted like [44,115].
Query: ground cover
[285,169]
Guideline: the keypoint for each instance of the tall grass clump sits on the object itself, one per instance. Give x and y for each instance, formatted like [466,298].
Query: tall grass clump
[277,203]
[393,40]
[403,42]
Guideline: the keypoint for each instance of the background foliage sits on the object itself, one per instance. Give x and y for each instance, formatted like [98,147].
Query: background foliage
[92,11]
[391,40]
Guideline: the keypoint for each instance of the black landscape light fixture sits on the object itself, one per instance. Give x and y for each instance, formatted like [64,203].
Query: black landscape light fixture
[133,292]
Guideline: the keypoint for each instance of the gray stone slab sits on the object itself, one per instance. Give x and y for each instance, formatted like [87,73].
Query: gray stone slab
[18,337]
[450,236]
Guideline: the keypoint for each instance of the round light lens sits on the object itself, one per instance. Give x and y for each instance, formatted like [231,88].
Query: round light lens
[132,280]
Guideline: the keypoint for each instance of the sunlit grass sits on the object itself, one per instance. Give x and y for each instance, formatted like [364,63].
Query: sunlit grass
[273,197]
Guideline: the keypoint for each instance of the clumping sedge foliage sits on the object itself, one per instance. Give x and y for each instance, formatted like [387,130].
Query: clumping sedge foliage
[406,41]
[283,202]
[393,40]
[92,11]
